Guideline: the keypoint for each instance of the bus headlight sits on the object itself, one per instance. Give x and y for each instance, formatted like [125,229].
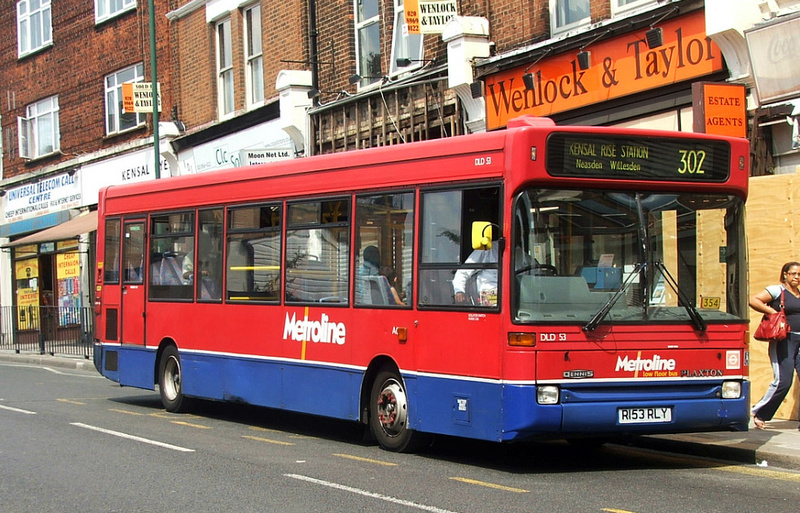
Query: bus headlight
[547,394]
[731,389]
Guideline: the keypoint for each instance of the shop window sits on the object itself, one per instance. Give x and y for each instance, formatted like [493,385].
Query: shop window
[105,9]
[384,249]
[39,133]
[34,26]
[568,14]
[26,273]
[68,283]
[254,253]
[317,251]
[117,120]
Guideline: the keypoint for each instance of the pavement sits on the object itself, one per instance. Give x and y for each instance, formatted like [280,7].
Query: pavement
[777,446]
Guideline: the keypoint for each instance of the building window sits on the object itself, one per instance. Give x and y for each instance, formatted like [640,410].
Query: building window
[117,120]
[225,68]
[105,9]
[39,132]
[368,41]
[34,26]
[568,14]
[404,45]
[620,6]
[254,60]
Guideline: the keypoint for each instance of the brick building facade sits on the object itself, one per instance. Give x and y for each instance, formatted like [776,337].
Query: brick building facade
[239,76]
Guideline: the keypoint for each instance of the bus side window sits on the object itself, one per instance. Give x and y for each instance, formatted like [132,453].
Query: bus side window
[384,249]
[112,260]
[254,253]
[318,251]
[171,256]
[208,272]
[451,272]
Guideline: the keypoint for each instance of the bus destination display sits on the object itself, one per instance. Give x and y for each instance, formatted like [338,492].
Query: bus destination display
[641,158]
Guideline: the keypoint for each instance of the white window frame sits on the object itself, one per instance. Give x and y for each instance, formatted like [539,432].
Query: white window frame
[253,56]
[226,104]
[360,26]
[107,9]
[40,17]
[40,125]
[617,9]
[113,98]
[401,37]
[555,6]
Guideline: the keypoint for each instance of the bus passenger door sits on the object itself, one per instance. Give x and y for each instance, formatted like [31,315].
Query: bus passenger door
[133,276]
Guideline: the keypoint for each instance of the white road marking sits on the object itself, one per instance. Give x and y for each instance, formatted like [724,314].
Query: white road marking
[365,493]
[9,408]
[132,437]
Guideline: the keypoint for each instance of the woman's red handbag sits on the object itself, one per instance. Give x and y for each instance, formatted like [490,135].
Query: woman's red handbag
[773,327]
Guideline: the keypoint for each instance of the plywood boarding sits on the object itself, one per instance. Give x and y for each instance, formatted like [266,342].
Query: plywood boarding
[773,232]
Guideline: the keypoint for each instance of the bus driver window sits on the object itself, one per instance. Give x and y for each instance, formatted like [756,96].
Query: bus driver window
[447,267]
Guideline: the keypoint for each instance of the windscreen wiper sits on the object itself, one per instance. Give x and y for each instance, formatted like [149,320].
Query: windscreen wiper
[603,312]
[694,315]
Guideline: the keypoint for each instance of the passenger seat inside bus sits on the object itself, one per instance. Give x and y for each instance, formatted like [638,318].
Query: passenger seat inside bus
[378,287]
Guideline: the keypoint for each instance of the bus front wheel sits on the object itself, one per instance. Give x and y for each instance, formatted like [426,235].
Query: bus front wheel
[388,417]
[170,381]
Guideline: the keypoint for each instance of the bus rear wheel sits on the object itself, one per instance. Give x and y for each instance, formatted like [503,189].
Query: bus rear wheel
[170,381]
[388,414]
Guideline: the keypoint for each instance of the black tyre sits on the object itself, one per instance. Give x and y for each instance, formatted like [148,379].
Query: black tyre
[170,381]
[388,414]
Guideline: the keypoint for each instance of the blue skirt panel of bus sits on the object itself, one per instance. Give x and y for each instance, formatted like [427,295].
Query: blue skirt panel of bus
[132,366]
[295,386]
[486,410]
[687,414]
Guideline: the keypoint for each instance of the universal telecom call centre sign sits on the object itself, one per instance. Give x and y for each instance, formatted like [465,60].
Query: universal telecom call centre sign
[619,67]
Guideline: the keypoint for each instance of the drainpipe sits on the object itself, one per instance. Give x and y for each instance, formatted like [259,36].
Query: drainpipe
[312,37]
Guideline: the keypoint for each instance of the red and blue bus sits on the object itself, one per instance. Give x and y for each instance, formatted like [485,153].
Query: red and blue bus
[540,281]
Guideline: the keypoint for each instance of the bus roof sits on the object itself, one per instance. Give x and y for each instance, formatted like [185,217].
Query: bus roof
[461,158]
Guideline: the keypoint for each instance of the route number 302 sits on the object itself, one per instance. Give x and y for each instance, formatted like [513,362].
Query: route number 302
[692,162]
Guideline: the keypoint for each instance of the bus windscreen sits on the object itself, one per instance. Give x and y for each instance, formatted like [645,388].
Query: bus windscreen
[623,157]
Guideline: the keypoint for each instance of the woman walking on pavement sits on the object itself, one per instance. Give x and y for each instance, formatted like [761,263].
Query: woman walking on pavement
[783,354]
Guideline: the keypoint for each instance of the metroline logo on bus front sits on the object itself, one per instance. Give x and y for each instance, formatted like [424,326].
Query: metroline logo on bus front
[667,364]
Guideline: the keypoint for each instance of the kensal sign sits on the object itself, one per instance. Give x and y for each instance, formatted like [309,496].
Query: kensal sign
[620,66]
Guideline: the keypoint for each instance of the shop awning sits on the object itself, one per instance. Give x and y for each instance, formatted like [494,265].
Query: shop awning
[66,230]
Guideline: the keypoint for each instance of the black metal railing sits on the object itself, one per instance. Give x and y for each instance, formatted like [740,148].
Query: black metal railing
[50,330]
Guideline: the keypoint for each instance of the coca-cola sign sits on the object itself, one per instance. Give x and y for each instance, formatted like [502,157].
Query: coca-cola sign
[774,49]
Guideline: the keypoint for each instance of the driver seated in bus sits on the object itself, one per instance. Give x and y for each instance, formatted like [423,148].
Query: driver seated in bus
[485,279]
